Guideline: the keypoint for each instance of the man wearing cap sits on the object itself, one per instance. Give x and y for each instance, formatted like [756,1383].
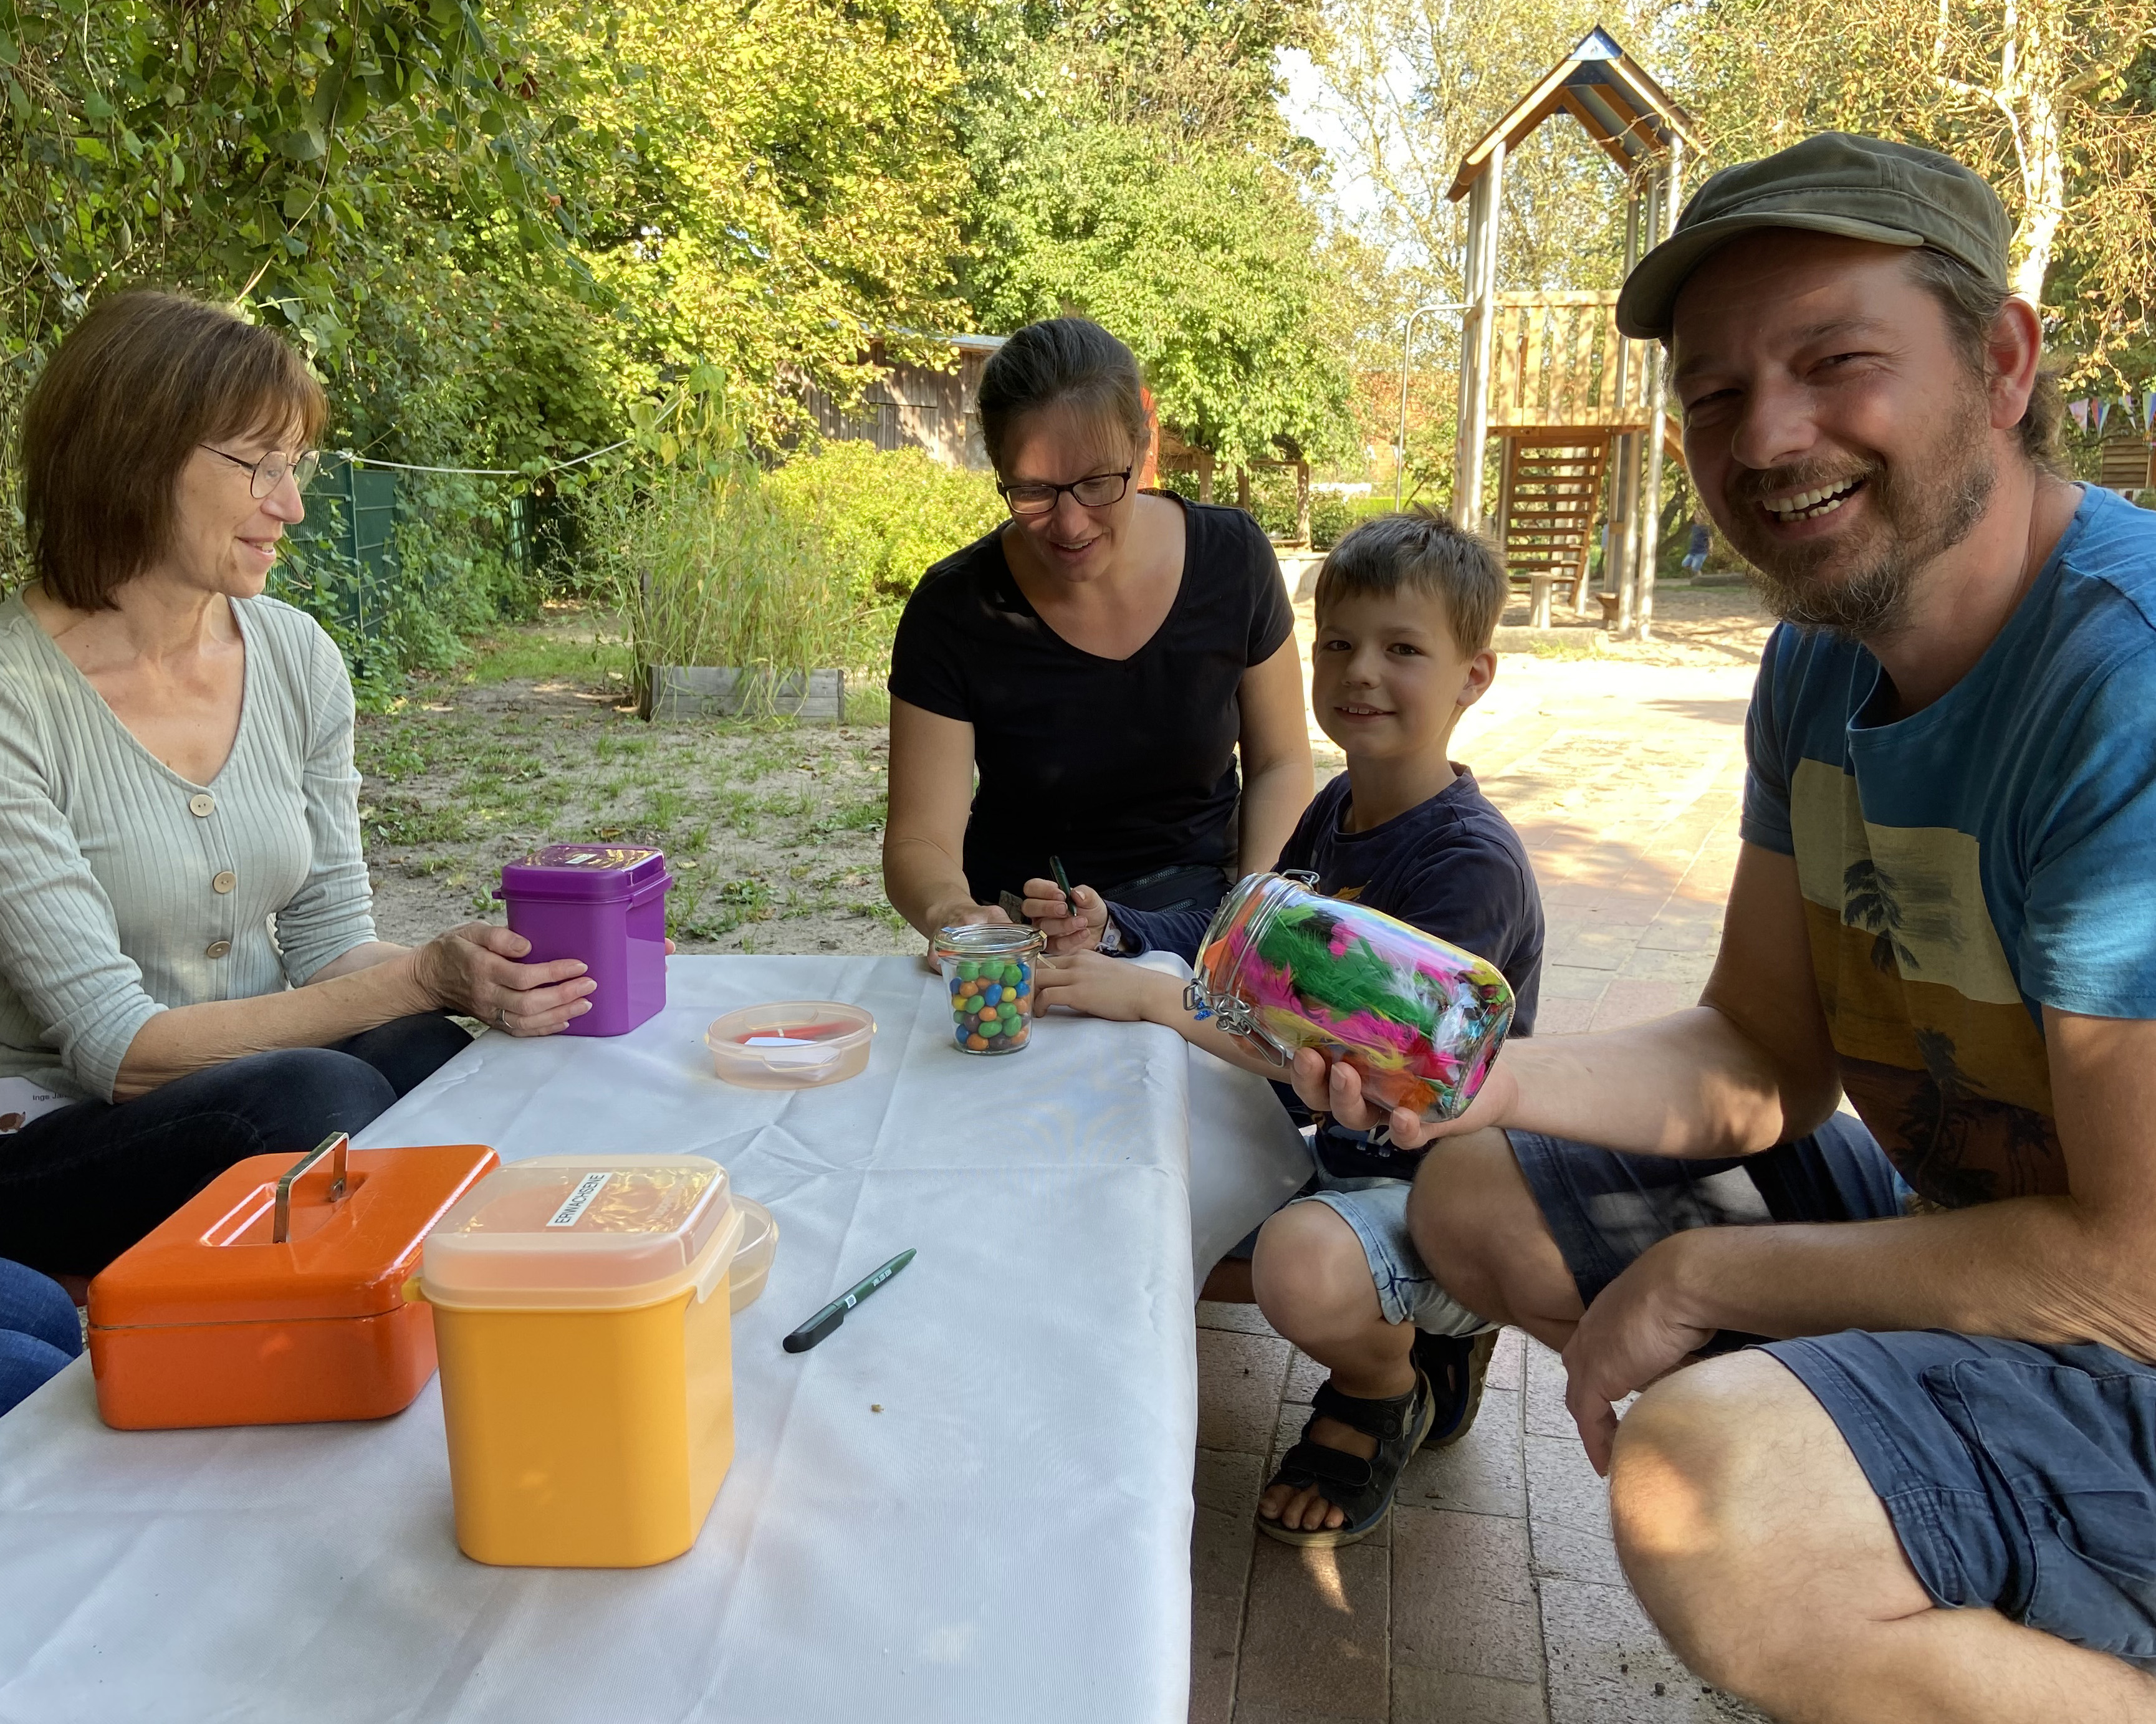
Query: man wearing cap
[1931,1493]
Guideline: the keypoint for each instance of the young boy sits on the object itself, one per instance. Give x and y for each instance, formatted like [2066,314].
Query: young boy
[1406,605]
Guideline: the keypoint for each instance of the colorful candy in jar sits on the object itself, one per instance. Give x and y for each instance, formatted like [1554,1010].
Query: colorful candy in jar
[988,970]
[1419,1020]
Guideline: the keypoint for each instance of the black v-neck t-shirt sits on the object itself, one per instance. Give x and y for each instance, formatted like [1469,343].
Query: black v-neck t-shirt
[1122,767]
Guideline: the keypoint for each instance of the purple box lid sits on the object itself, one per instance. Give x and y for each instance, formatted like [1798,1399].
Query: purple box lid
[594,872]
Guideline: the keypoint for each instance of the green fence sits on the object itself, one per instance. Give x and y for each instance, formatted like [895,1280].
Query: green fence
[342,563]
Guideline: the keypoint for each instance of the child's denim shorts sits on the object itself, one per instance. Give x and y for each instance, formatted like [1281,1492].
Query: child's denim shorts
[1377,1210]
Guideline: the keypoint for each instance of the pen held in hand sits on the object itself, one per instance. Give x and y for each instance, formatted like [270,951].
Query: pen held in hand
[834,1314]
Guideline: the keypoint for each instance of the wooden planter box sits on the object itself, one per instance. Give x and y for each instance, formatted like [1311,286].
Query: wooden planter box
[671,692]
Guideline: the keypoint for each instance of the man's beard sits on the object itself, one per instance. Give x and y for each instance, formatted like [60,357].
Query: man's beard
[1860,585]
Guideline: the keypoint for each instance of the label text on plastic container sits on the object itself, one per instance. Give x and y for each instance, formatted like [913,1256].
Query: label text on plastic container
[579,1200]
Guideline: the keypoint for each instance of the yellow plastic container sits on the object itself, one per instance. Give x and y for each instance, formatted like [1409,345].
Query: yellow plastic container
[581,1314]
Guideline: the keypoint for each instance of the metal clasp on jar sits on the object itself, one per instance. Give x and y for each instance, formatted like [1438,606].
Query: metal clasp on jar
[1233,1017]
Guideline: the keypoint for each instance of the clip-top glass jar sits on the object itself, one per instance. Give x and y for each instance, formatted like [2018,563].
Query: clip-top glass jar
[1288,967]
[987,967]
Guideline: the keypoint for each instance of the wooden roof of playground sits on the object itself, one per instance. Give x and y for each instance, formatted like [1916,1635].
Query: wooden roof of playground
[1607,91]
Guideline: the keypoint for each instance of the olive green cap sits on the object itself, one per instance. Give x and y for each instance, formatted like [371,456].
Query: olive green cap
[1836,182]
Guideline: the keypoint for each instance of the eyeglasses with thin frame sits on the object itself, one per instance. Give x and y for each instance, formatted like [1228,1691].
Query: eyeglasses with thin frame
[1096,491]
[266,474]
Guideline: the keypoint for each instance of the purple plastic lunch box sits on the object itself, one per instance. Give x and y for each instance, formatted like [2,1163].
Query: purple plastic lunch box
[605,904]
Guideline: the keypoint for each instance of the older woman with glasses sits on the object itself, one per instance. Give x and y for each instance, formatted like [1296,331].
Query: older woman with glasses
[189,970]
[1102,662]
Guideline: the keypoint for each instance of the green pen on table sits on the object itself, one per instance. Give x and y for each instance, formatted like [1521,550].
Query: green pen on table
[834,1314]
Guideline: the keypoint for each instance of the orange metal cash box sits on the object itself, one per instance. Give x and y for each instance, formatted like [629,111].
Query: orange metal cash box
[276,1295]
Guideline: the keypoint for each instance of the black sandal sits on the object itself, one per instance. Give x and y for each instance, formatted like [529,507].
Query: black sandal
[1456,1366]
[1361,1489]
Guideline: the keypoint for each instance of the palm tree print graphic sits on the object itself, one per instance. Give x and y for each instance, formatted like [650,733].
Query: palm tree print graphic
[1868,902]
[1939,1123]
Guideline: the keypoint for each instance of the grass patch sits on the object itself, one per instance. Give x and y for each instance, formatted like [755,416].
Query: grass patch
[404,820]
[868,701]
[1569,643]
[709,915]
[540,656]
[764,820]
[865,815]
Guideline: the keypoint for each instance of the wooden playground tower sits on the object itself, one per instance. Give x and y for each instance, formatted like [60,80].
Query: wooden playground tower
[1576,405]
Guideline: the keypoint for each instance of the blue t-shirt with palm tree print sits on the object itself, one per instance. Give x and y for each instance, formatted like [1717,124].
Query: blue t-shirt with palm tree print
[1965,866]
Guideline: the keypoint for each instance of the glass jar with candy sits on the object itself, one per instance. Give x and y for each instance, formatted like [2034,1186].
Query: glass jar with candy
[1286,967]
[987,967]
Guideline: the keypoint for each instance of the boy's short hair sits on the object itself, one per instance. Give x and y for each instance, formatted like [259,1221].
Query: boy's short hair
[1423,552]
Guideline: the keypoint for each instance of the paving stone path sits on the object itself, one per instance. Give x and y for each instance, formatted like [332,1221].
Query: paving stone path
[1493,1596]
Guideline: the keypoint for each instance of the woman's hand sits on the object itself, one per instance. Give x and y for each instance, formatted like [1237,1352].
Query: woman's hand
[1071,924]
[956,913]
[473,970]
[1335,1087]
[1103,987]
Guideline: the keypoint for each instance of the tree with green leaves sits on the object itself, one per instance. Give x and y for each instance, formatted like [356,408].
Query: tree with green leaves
[394,182]
[2053,100]
[788,185]
[1130,165]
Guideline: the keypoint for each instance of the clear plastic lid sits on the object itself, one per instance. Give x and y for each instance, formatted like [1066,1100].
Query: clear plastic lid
[607,1230]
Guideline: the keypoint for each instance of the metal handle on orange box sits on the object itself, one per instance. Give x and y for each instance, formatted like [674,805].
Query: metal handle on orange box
[335,1147]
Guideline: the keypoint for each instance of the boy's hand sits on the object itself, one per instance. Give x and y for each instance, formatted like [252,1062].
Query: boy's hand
[1336,1087]
[1072,924]
[1103,987]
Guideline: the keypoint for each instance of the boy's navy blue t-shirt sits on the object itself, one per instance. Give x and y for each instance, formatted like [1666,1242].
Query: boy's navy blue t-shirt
[1452,866]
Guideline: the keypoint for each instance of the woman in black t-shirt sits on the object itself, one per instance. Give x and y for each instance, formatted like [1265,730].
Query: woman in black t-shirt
[1102,661]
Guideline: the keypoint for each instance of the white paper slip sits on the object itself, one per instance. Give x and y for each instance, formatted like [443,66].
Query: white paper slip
[22,1101]
[791,1050]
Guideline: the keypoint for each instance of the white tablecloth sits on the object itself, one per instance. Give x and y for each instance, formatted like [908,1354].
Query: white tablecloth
[1007,1539]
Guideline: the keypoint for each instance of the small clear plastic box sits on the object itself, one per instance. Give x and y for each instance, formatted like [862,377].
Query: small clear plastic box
[759,1244]
[793,1044]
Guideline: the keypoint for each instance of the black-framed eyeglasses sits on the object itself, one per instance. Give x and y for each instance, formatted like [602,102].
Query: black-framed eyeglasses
[266,474]
[1096,491]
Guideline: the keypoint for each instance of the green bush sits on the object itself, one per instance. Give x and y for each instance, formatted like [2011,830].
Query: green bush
[884,515]
[1330,517]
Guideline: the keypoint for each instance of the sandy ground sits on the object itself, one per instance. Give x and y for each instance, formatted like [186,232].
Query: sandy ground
[773,830]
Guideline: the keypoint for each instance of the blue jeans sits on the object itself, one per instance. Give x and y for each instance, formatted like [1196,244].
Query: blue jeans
[38,1331]
[79,1185]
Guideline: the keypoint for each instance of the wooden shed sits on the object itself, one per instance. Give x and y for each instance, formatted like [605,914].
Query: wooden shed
[2126,464]
[912,406]
[1576,406]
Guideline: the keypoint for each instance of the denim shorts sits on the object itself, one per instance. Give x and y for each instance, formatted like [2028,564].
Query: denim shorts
[1377,1210]
[2018,1477]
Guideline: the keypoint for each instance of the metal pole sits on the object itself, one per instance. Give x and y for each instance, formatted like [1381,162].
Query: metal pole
[1400,449]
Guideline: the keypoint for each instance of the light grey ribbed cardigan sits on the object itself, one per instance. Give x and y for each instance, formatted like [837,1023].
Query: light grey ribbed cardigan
[110,863]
